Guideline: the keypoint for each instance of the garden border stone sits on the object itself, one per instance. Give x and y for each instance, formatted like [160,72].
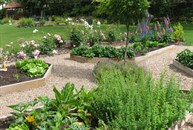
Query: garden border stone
[183,68]
[136,59]
[26,84]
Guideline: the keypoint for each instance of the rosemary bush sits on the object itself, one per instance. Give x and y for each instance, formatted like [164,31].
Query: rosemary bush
[128,98]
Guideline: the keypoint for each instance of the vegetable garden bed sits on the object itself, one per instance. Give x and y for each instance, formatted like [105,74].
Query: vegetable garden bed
[18,81]
[136,59]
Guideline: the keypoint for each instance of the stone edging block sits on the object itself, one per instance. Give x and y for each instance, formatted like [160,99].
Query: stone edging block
[26,84]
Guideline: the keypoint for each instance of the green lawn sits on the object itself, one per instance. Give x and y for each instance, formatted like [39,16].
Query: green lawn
[188,29]
[16,35]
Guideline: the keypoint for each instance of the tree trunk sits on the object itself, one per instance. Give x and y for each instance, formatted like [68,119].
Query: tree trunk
[126,43]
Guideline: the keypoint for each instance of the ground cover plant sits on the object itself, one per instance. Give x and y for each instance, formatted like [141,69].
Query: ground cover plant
[185,58]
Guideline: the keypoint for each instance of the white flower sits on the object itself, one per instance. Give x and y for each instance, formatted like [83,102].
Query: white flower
[32,42]
[48,34]
[22,45]
[98,23]
[8,45]
[54,52]
[44,37]
[36,53]
[36,45]
[61,41]
[35,31]
[11,42]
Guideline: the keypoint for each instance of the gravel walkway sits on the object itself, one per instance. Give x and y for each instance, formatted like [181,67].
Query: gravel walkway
[80,74]
[64,71]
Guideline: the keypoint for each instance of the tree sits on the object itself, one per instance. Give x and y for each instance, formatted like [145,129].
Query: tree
[124,11]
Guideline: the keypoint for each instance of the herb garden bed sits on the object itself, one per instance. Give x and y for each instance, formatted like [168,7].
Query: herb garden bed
[15,80]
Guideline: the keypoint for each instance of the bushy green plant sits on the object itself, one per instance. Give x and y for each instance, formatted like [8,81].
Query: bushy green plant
[69,109]
[129,98]
[151,44]
[5,20]
[47,46]
[26,22]
[111,36]
[178,33]
[186,58]
[42,22]
[32,67]
[76,37]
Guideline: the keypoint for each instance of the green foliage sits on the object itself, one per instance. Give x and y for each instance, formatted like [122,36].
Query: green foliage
[68,110]
[101,51]
[76,37]
[111,36]
[33,67]
[150,44]
[47,46]
[128,98]
[178,33]
[19,127]
[126,11]
[186,58]
[26,22]
[5,20]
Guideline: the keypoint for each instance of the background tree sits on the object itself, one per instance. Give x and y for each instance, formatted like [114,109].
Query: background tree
[124,11]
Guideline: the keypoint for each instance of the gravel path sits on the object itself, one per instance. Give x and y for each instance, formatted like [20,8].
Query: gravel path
[163,63]
[64,71]
[80,74]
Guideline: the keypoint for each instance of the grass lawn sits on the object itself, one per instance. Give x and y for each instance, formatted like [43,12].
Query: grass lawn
[16,35]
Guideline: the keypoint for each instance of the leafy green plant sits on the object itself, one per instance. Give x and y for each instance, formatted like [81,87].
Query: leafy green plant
[151,44]
[26,22]
[76,38]
[100,51]
[5,20]
[16,76]
[32,67]
[47,46]
[111,36]
[186,58]
[178,33]
[129,98]
[68,110]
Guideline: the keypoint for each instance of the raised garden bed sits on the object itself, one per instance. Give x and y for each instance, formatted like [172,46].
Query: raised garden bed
[136,59]
[181,67]
[14,80]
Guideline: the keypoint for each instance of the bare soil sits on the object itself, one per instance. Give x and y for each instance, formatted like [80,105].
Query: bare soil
[13,75]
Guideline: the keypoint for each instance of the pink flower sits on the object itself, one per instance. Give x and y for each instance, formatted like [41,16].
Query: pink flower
[147,28]
[158,24]
[21,55]
[58,37]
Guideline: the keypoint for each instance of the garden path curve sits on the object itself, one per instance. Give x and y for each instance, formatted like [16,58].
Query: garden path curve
[66,70]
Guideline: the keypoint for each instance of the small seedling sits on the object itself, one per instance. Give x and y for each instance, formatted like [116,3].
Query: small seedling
[16,76]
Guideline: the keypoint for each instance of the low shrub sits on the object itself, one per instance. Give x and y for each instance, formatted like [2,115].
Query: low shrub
[186,58]
[111,36]
[129,98]
[67,110]
[178,33]
[5,21]
[33,67]
[26,22]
